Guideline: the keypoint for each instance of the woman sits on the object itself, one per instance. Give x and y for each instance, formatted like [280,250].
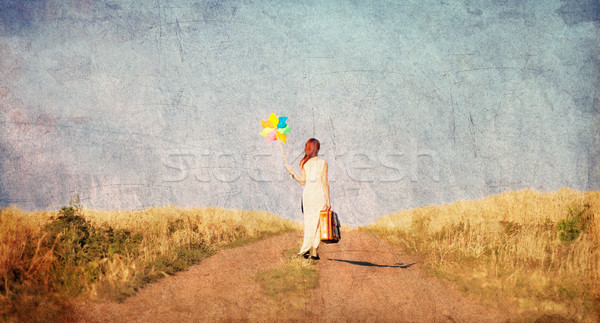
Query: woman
[315,196]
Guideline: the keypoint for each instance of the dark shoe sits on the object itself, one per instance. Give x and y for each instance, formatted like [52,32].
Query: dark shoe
[315,257]
[301,255]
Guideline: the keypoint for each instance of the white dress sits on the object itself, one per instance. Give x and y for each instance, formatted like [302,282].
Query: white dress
[313,201]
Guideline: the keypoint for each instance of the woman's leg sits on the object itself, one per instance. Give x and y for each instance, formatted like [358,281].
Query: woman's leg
[306,243]
[312,202]
[310,227]
[316,241]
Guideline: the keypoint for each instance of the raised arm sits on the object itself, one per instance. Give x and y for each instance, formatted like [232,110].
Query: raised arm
[326,187]
[300,179]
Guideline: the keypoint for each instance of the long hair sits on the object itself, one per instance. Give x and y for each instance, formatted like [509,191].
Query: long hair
[311,149]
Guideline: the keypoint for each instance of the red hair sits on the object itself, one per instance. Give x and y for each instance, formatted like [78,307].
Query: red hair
[311,149]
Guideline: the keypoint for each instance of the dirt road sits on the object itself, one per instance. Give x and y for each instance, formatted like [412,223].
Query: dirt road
[360,279]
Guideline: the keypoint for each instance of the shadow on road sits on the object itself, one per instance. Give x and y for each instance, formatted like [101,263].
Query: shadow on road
[370,264]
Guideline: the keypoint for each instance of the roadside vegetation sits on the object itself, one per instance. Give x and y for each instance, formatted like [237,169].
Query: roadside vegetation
[534,255]
[289,285]
[50,259]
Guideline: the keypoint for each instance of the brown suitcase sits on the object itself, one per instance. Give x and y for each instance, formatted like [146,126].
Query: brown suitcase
[329,225]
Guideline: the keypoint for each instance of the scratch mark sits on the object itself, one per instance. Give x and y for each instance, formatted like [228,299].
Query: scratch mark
[179,41]
[333,139]
[227,196]
[335,61]
[220,49]
[472,131]
[222,21]
[160,28]
[371,92]
[90,129]
[453,120]
[312,104]
[436,91]
[178,97]
[527,60]
[233,13]
[498,107]
[502,68]
[114,184]
[360,71]
[232,91]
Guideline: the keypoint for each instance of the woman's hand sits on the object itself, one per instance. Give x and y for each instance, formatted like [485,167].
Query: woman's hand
[327,206]
[289,170]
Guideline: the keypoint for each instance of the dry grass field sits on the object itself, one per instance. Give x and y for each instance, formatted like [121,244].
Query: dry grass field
[526,252]
[529,254]
[48,259]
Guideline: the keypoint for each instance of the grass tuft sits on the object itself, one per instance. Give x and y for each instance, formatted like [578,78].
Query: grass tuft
[576,222]
[290,284]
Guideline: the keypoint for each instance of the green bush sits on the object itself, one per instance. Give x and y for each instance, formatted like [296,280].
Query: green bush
[80,246]
[576,222]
